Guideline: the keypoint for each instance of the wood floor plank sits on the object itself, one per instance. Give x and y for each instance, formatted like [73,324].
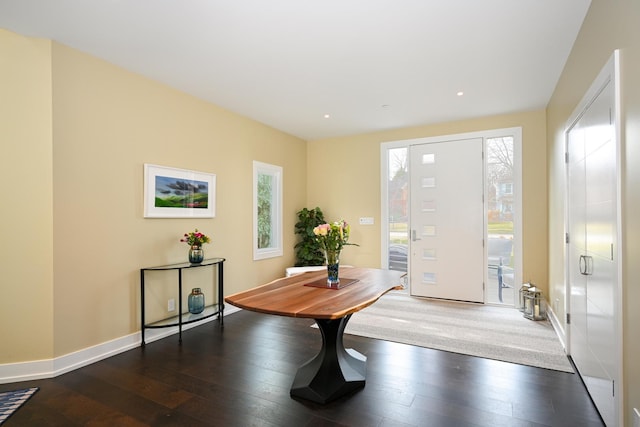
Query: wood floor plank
[241,376]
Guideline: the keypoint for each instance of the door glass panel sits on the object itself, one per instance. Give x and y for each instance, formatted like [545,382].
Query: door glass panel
[429,230]
[428,159]
[429,254]
[428,206]
[397,199]
[500,203]
[429,278]
[428,182]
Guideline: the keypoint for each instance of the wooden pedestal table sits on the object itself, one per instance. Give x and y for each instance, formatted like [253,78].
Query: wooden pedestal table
[334,371]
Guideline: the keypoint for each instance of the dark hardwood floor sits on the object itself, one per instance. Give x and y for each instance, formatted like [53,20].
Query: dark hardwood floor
[241,377]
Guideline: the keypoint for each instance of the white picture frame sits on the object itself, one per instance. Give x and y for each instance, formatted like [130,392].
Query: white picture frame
[178,193]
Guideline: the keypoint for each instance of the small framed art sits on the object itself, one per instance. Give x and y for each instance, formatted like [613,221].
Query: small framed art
[178,193]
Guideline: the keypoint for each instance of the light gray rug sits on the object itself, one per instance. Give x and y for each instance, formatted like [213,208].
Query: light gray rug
[478,330]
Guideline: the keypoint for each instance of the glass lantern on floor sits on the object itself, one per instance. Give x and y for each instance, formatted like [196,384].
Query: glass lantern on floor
[523,289]
[534,307]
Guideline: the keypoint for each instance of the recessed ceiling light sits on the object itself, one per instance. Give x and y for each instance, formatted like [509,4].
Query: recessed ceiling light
[326,116]
[460,93]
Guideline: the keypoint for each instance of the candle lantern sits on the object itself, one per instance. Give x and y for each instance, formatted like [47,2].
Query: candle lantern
[534,308]
[523,289]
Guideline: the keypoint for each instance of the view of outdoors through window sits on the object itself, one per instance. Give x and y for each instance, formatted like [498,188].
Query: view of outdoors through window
[500,202]
[398,205]
[265,210]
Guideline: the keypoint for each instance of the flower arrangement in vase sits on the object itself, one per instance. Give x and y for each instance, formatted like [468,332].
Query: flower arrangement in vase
[195,240]
[332,237]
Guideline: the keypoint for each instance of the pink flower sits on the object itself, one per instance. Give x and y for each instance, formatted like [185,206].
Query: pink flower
[333,236]
[195,238]
[322,230]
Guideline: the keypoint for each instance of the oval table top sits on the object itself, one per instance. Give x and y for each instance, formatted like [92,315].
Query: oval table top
[300,296]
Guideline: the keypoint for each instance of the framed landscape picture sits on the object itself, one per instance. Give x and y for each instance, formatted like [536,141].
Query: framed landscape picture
[178,193]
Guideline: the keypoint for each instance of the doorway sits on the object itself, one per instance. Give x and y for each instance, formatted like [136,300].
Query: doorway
[593,242]
[413,204]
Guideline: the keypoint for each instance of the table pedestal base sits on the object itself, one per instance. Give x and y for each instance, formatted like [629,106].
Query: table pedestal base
[334,371]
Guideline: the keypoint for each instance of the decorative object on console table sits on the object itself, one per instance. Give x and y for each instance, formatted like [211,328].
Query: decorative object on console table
[196,254]
[332,237]
[195,240]
[195,301]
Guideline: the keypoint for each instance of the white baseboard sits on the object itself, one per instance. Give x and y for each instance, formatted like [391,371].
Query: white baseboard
[50,368]
[557,326]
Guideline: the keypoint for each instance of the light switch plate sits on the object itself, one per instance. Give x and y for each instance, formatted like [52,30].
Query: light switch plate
[366,220]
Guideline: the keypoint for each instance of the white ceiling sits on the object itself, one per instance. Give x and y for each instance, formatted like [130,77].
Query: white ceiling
[370,64]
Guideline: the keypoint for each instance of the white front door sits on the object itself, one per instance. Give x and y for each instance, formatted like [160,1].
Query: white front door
[447,220]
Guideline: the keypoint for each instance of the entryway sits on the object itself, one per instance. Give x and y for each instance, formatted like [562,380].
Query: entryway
[452,215]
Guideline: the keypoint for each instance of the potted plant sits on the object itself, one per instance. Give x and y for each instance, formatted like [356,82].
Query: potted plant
[308,249]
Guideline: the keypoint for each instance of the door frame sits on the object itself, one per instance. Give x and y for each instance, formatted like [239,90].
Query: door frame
[516,133]
[610,72]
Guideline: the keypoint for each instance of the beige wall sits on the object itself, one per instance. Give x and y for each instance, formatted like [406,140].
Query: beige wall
[26,225]
[609,25]
[344,181]
[106,123]
[91,126]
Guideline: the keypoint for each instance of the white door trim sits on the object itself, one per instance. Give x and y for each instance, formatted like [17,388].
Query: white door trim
[516,132]
[610,72]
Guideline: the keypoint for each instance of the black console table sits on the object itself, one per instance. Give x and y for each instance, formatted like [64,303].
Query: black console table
[217,308]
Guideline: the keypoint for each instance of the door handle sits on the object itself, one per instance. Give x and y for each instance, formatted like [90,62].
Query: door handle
[413,236]
[586,265]
[589,265]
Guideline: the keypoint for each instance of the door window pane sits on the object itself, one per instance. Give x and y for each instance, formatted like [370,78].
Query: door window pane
[428,181]
[429,254]
[428,159]
[429,230]
[397,205]
[428,206]
[500,202]
[429,278]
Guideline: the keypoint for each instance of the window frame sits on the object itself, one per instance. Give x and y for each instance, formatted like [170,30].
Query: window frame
[275,247]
